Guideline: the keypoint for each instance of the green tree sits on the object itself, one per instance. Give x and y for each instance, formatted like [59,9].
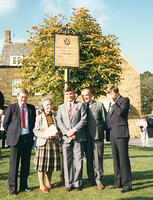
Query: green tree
[100,61]
[146,92]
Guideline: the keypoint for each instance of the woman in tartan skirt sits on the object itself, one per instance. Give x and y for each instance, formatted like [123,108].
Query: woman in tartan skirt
[47,157]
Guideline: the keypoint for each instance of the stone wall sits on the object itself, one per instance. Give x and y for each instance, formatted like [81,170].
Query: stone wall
[130,87]
[6,76]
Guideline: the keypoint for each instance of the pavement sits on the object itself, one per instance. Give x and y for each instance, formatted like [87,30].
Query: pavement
[137,142]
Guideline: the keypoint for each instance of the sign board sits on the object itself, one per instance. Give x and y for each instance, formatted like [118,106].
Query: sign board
[66,51]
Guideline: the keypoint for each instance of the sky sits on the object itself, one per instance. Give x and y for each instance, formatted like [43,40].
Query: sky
[130,20]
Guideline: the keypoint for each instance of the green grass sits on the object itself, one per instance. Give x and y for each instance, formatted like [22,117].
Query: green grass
[142,173]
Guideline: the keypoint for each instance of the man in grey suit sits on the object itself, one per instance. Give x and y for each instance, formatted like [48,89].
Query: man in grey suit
[94,147]
[71,120]
[117,122]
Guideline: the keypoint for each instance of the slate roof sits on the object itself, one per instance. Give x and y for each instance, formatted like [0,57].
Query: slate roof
[13,49]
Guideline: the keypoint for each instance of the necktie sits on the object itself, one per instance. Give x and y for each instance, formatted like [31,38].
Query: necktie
[22,116]
[70,110]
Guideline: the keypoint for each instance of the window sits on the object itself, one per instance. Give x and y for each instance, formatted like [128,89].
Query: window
[16,60]
[15,84]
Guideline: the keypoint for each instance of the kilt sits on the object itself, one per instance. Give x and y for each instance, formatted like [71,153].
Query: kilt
[48,157]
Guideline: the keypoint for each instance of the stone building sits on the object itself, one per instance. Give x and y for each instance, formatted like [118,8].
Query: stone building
[9,77]
[10,63]
[130,87]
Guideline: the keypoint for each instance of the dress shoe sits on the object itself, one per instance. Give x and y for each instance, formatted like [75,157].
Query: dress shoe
[100,186]
[89,184]
[69,189]
[43,191]
[13,193]
[126,190]
[79,188]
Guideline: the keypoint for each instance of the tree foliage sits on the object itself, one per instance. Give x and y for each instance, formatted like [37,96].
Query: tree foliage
[146,92]
[100,62]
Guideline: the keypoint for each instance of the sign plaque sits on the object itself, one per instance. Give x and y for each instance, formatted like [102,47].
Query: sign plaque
[66,51]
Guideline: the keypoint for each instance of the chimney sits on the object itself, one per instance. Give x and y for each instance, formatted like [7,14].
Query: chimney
[7,36]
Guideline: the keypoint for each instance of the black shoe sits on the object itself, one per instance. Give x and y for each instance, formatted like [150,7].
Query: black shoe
[69,189]
[126,190]
[115,187]
[78,188]
[13,193]
[89,184]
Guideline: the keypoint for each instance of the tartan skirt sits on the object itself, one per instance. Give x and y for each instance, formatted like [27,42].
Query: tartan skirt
[48,157]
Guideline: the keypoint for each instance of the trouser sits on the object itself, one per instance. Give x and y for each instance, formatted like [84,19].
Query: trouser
[121,162]
[94,150]
[71,178]
[21,151]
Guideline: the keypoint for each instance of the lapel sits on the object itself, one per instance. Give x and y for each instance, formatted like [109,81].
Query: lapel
[112,110]
[93,106]
[74,109]
[29,113]
[44,121]
[18,112]
[65,109]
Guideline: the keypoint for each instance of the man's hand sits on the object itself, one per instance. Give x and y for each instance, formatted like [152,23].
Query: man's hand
[73,137]
[70,133]
[1,112]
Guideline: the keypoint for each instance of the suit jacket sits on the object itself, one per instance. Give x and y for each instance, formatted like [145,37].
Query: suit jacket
[119,118]
[12,122]
[40,127]
[1,100]
[77,121]
[96,120]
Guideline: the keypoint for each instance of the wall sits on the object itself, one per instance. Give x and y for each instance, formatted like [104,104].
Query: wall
[6,76]
[130,87]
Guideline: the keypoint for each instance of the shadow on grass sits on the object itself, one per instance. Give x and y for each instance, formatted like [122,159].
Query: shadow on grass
[140,148]
[142,175]
[4,176]
[136,176]
[140,156]
[136,198]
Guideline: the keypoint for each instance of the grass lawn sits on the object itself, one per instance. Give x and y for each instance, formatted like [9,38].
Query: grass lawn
[142,173]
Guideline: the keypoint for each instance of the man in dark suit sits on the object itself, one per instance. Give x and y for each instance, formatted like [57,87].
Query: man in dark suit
[117,122]
[71,120]
[19,122]
[94,147]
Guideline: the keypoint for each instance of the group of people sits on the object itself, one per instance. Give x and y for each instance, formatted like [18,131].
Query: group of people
[79,127]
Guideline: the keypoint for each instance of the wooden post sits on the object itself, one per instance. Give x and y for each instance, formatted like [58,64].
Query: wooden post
[67,79]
